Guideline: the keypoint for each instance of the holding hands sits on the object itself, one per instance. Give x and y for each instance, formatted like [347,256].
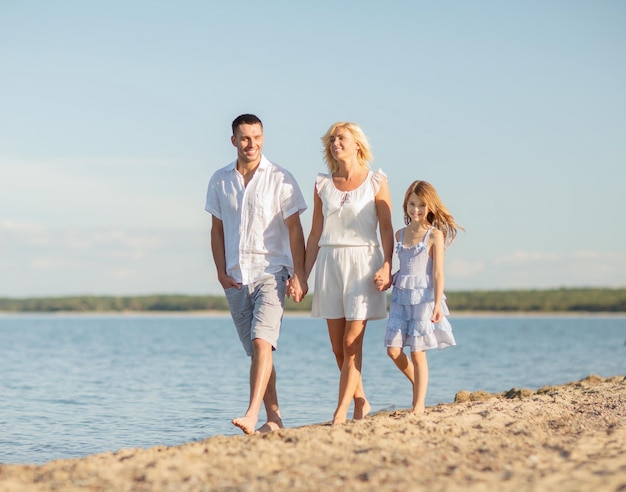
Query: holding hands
[382,278]
[296,289]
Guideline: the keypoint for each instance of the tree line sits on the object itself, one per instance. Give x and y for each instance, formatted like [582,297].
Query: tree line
[550,300]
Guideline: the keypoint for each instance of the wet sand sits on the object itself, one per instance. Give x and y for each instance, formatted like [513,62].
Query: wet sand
[567,438]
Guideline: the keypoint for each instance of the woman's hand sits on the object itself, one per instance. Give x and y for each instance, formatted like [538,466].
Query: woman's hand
[382,278]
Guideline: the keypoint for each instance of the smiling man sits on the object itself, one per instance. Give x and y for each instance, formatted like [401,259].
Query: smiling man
[258,250]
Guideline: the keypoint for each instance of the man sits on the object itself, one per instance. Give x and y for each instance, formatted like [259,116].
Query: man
[258,250]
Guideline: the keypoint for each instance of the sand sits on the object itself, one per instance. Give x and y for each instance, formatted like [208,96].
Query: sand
[561,438]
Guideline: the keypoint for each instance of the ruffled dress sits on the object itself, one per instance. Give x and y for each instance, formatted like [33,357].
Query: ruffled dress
[413,300]
[349,253]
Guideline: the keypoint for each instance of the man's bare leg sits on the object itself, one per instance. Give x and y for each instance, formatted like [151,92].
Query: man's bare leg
[274,420]
[261,367]
[336,331]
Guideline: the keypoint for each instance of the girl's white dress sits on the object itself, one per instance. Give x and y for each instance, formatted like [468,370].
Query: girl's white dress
[413,300]
[349,253]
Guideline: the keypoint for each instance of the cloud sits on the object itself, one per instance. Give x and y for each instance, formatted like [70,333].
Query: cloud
[103,192]
[539,269]
[525,257]
[40,261]
[517,257]
[465,268]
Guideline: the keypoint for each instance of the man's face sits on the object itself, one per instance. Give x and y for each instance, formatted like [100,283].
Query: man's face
[249,142]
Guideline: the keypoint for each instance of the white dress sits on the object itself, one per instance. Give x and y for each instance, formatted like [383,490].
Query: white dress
[349,253]
[413,300]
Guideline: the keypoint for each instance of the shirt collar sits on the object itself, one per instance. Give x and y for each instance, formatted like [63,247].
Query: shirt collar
[263,164]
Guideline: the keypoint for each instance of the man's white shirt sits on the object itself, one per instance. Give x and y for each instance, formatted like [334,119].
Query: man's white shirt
[256,238]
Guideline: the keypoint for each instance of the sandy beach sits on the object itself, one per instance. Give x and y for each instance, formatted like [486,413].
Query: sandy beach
[567,438]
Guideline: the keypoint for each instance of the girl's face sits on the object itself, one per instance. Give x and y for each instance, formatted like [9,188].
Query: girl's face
[416,209]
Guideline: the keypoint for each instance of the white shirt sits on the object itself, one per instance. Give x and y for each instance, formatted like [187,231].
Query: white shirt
[256,238]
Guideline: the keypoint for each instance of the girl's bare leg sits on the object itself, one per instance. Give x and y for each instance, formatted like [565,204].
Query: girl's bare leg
[420,385]
[402,362]
[350,379]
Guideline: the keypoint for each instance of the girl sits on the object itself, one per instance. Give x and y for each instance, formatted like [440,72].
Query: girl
[418,309]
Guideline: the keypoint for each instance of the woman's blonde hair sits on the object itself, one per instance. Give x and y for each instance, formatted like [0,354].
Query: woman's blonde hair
[438,215]
[364,154]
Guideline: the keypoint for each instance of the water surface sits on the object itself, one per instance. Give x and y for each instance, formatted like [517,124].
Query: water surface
[76,385]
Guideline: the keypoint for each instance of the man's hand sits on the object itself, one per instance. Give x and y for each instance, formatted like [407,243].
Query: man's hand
[296,289]
[227,282]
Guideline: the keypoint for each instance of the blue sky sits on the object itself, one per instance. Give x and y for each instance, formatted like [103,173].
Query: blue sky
[113,116]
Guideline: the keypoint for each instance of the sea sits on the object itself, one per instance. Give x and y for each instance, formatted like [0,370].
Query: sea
[74,385]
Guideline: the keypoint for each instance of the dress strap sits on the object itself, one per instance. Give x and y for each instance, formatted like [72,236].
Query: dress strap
[400,240]
[425,238]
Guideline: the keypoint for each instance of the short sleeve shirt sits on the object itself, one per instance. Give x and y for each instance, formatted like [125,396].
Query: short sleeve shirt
[256,238]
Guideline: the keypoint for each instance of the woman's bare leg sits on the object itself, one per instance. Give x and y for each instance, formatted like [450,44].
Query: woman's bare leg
[336,331]
[347,341]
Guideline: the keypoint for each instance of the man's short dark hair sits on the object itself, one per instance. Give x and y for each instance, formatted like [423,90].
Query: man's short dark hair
[246,119]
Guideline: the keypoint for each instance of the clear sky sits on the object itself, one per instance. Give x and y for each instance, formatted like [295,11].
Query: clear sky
[113,116]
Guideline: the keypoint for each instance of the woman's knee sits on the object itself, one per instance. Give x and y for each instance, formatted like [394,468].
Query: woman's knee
[351,348]
[338,352]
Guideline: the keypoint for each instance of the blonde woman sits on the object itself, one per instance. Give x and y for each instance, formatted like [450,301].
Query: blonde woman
[351,203]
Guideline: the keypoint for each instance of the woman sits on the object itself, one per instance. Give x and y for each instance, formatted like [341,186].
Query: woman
[351,273]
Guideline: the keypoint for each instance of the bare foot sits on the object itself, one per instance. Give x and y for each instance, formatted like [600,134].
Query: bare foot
[270,426]
[418,410]
[338,420]
[361,408]
[246,424]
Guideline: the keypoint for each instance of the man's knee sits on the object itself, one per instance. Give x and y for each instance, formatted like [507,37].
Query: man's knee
[260,346]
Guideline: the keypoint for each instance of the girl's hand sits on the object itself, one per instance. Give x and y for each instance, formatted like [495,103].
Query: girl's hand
[437,314]
[382,278]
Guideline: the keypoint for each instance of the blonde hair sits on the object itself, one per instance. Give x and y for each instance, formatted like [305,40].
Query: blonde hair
[364,154]
[438,215]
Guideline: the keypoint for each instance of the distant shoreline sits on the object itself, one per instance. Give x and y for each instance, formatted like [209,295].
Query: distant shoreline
[305,314]
[573,301]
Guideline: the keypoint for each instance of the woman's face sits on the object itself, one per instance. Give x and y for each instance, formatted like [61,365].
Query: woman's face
[342,144]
